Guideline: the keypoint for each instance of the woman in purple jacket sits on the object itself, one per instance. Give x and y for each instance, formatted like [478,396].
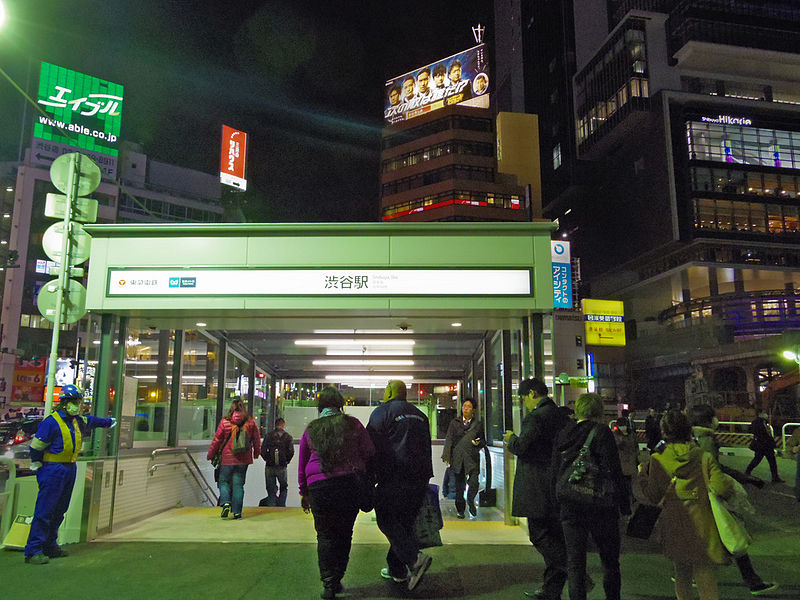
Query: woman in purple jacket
[334,451]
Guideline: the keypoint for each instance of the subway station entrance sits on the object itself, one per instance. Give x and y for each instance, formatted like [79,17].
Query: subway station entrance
[191,317]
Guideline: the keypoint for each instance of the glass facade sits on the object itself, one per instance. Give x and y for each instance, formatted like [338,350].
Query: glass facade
[462,147]
[439,125]
[742,144]
[613,84]
[429,202]
[199,383]
[437,175]
[753,217]
[148,360]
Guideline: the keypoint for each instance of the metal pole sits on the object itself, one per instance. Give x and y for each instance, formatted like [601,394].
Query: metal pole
[175,389]
[63,270]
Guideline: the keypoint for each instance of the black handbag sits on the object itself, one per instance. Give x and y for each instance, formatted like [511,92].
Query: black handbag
[585,481]
[643,521]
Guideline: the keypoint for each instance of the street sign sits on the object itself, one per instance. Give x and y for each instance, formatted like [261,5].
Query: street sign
[83,209]
[89,174]
[604,322]
[73,306]
[80,243]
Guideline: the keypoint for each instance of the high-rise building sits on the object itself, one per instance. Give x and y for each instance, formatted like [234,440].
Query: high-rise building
[686,118]
[446,153]
[145,191]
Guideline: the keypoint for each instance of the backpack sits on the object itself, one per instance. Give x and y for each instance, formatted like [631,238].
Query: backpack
[585,481]
[239,441]
[272,450]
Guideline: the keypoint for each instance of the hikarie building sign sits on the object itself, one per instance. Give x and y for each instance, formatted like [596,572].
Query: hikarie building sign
[232,159]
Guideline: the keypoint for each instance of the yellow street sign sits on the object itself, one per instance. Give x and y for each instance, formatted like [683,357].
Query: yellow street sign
[604,322]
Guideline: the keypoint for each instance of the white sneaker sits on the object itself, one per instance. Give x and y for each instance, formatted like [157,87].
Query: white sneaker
[418,570]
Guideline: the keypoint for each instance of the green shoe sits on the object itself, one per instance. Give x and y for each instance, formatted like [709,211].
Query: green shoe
[37,559]
[57,552]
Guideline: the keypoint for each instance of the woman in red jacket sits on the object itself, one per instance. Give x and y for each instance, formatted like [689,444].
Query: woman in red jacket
[233,466]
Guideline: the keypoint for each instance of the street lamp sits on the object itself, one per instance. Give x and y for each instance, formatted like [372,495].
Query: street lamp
[792,356]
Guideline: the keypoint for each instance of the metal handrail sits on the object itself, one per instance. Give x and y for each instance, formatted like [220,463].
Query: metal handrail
[783,434]
[8,507]
[199,478]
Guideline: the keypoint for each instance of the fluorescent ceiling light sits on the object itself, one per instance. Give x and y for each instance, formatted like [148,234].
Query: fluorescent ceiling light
[456,324]
[358,351]
[364,331]
[201,324]
[364,342]
[354,377]
[364,363]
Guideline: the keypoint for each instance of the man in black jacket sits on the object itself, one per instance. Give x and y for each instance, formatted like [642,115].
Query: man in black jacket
[763,446]
[277,451]
[462,443]
[533,495]
[402,465]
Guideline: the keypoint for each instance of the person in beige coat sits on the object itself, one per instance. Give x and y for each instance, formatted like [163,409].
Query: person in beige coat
[675,476]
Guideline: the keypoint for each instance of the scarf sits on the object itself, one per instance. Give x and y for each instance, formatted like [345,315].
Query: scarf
[330,412]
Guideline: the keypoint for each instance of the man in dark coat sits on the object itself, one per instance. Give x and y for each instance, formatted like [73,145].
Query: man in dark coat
[402,465]
[763,446]
[533,493]
[461,446]
[652,429]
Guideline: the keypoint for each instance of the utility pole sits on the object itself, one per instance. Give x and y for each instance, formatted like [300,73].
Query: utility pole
[63,300]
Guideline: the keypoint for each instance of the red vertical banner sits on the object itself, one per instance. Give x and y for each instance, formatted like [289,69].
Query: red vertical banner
[233,157]
[28,387]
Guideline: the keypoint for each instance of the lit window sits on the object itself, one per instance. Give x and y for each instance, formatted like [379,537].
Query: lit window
[556,157]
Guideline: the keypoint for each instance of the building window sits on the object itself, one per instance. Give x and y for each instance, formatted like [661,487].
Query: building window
[556,157]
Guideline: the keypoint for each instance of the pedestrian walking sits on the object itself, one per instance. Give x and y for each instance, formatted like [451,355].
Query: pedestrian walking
[595,514]
[674,478]
[334,452]
[54,451]
[533,491]
[628,450]
[763,446]
[652,429]
[704,424]
[277,450]
[403,466]
[237,441]
[793,449]
[462,445]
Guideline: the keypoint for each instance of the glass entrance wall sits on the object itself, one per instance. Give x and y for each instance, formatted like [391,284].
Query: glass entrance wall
[494,389]
[199,383]
[148,366]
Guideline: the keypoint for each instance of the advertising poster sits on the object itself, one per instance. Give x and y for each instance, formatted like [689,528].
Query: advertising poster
[233,156]
[83,113]
[28,386]
[562,274]
[604,322]
[462,78]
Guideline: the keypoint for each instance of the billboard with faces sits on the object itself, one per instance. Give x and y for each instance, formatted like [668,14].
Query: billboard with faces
[462,78]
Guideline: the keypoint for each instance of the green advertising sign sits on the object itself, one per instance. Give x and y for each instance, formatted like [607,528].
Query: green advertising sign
[87,108]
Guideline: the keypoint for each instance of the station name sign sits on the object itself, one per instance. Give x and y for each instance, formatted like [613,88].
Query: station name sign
[319,282]
[728,120]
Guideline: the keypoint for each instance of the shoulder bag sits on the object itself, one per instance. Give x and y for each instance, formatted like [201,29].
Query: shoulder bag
[585,481]
[732,532]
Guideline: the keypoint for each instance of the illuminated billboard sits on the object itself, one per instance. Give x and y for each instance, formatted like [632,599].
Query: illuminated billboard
[232,158]
[604,322]
[83,112]
[462,78]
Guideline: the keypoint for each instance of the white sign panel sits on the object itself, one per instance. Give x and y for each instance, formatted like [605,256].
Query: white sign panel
[319,282]
[562,274]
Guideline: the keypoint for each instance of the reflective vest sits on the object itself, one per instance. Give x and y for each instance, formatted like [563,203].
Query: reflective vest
[70,451]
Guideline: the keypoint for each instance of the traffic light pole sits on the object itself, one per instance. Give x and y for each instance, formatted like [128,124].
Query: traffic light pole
[63,273]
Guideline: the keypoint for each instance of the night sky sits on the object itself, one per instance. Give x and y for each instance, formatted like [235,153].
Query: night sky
[304,79]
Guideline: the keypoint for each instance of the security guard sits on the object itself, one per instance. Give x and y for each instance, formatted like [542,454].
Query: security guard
[54,450]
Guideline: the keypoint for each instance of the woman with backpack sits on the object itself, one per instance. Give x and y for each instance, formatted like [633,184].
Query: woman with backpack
[676,479]
[333,456]
[591,493]
[236,443]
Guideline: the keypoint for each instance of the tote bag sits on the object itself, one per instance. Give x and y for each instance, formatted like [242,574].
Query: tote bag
[429,519]
[732,532]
